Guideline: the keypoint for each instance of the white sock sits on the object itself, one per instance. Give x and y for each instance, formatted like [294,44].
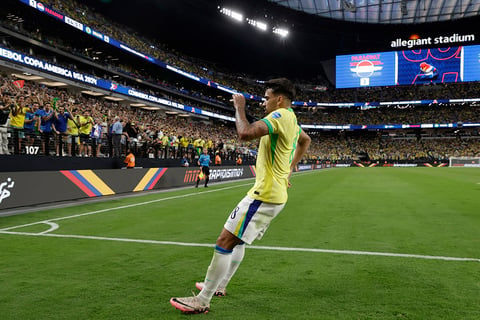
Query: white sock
[215,273]
[237,257]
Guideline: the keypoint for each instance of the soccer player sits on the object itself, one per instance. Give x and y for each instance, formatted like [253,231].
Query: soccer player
[282,145]
[204,162]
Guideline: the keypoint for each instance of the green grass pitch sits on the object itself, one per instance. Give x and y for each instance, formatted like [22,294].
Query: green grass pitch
[354,243]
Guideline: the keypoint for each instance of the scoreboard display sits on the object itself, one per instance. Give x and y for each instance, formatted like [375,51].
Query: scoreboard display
[408,67]
[364,70]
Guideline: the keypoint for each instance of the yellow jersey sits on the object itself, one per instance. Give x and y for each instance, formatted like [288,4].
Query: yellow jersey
[72,128]
[18,121]
[275,154]
[184,142]
[86,125]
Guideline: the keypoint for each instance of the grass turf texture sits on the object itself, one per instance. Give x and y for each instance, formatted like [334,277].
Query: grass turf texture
[425,211]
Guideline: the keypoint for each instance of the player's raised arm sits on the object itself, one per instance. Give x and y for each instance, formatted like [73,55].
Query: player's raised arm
[246,131]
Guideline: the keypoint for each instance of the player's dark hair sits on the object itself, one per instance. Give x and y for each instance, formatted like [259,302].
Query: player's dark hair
[282,86]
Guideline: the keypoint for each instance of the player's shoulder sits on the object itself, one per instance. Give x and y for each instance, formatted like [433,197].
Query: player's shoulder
[281,114]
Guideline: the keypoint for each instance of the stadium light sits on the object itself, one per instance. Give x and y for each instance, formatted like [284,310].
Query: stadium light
[255,23]
[280,32]
[232,14]
[260,25]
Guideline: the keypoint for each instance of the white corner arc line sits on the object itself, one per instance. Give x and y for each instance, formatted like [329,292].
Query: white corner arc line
[187,244]
[53,227]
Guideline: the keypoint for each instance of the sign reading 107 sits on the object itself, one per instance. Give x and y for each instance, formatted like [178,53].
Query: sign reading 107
[31,149]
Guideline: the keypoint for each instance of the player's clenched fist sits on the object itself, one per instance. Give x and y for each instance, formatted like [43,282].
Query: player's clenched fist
[238,101]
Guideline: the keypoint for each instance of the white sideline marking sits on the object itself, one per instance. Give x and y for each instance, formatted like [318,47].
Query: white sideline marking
[122,207]
[186,244]
[138,204]
[54,226]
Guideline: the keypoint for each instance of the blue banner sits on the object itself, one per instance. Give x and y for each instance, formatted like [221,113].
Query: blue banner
[101,83]
[94,33]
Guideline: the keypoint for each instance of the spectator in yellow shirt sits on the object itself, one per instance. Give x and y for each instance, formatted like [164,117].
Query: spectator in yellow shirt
[198,145]
[165,145]
[17,120]
[72,131]
[86,124]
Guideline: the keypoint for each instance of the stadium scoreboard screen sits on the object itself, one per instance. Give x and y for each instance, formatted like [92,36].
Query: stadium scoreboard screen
[408,67]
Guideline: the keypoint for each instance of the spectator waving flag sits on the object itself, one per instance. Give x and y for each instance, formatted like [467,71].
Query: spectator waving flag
[19,83]
[54,103]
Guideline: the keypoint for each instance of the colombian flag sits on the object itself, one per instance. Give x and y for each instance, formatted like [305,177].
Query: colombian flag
[88,182]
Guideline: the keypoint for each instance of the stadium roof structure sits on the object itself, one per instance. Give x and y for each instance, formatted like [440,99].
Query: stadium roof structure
[317,32]
[387,11]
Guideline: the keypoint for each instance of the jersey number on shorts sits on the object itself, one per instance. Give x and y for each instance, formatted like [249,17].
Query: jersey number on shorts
[234,213]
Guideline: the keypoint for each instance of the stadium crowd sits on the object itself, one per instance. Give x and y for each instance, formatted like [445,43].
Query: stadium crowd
[412,114]
[383,147]
[154,134]
[139,42]
[249,83]
[308,91]
[149,133]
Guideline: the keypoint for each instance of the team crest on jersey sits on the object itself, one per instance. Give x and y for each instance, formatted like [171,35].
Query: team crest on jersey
[276,115]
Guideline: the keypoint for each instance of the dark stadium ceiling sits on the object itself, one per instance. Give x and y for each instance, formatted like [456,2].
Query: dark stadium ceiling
[386,11]
[196,28]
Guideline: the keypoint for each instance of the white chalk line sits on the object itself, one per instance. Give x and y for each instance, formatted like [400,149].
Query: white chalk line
[187,244]
[122,207]
[137,204]
[54,226]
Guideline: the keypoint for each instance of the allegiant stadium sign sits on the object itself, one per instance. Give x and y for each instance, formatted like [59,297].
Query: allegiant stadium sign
[416,41]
